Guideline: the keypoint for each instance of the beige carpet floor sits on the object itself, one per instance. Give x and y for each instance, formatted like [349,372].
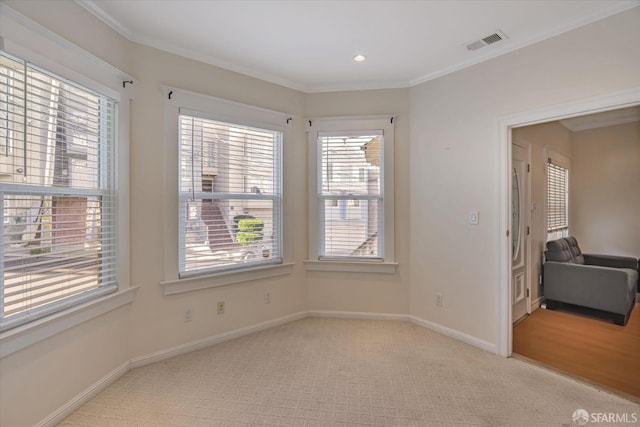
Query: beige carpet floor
[343,372]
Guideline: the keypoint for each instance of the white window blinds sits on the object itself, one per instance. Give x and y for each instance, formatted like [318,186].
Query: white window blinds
[351,195]
[557,200]
[58,240]
[230,195]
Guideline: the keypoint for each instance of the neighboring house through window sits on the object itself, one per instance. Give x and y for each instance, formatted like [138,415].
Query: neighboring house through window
[230,194]
[351,195]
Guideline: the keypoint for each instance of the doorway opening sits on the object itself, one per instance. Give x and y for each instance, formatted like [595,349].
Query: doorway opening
[599,104]
[511,207]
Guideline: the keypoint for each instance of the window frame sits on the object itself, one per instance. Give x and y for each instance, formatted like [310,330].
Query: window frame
[317,127]
[226,111]
[23,38]
[104,189]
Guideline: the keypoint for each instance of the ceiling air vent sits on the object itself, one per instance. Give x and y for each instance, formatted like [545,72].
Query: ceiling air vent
[486,41]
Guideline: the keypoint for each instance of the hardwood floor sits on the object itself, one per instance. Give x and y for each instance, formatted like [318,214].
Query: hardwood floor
[593,349]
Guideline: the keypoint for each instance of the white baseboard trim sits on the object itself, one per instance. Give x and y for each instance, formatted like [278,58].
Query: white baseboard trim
[82,398]
[357,315]
[460,336]
[535,304]
[206,342]
[452,333]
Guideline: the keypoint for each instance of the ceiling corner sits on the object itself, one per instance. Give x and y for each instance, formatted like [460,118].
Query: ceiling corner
[98,12]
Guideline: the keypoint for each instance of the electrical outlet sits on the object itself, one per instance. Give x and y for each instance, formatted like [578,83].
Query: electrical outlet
[188,315]
[221,307]
[439,299]
[267,297]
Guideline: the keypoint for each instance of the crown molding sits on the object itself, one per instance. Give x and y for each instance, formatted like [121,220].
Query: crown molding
[601,120]
[509,45]
[92,7]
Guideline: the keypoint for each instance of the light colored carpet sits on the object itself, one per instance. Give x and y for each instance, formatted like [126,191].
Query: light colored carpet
[343,372]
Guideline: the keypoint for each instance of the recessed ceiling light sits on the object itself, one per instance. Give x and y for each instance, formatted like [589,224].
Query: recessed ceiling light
[359,58]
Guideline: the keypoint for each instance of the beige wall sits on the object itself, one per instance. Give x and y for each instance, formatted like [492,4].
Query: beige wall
[75,24]
[454,165]
[378,293]
[605,189]
[153,208]
[40,379]
[541,138]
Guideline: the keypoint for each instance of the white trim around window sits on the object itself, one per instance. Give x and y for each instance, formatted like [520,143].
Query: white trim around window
[359,205]
[233,167]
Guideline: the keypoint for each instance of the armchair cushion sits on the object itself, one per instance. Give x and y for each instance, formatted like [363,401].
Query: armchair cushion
[564,250]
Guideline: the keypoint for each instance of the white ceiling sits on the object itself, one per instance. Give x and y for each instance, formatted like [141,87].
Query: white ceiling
[309,45]
[606,118]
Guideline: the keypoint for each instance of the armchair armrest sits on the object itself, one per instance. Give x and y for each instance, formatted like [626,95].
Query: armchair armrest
[611,261]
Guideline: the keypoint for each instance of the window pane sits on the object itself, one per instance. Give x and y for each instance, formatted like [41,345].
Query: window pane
[351,228]
[12,112]
[52,249]
[350,187]
[235,159]
[557,200]
[229,195]
[350,165]
[218,233]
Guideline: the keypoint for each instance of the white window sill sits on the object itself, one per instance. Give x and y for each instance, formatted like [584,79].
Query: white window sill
[351,266]
[23,336]
[225,278]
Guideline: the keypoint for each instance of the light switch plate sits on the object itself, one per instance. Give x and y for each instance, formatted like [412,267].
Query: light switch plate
[474,218]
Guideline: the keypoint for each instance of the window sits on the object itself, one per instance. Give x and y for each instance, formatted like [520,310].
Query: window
[557,200]
[351,213]
[57,193]
[229,185]
[351,195]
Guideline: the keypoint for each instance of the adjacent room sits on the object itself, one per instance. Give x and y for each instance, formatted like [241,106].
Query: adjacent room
[589,163]
[317,213]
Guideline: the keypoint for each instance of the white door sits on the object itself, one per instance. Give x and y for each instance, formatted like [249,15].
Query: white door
[519,231]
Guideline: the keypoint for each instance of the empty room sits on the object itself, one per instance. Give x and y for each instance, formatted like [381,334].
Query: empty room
[315,213]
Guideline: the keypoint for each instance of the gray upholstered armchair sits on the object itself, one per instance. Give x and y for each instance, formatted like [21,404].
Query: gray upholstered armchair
[602,282]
